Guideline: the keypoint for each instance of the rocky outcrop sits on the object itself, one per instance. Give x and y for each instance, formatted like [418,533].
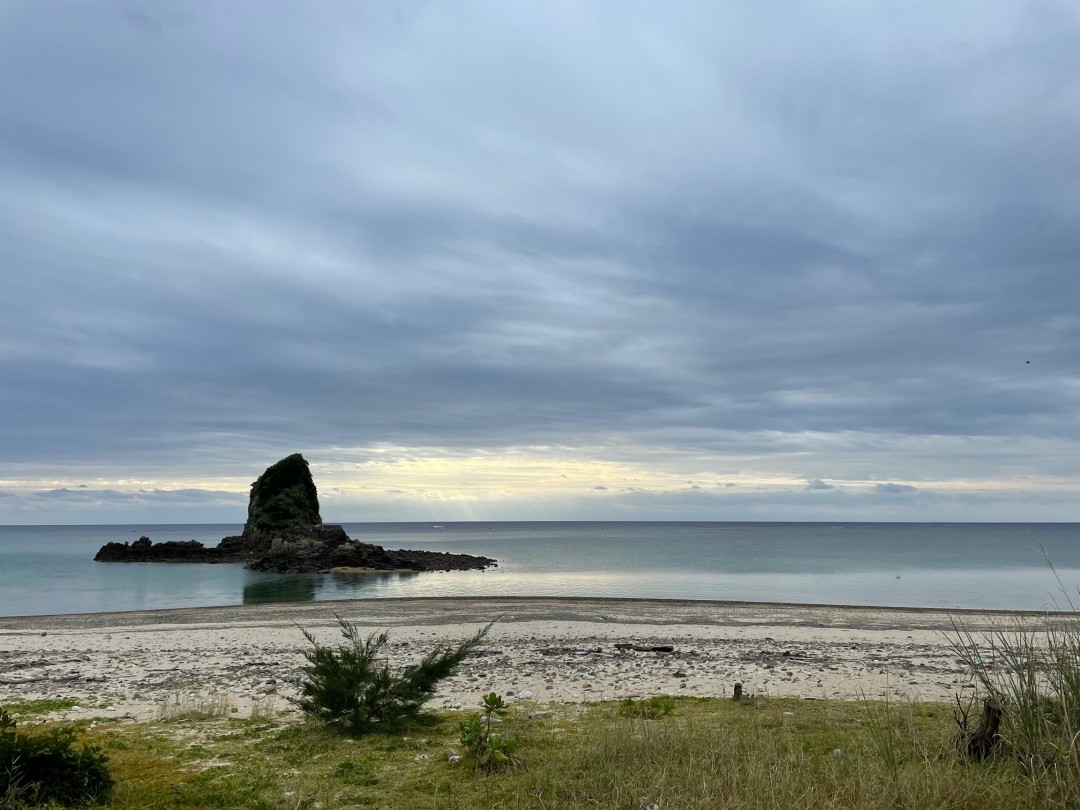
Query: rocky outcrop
[327,549]
[283,499]
[144,550]
[363,557]
[285,533]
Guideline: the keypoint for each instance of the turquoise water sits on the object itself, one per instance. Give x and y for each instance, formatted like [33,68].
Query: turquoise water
[49,569]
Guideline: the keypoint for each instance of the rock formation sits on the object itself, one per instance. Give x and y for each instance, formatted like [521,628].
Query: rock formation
[283,510]
[285,533]
[283,499]
[143,550]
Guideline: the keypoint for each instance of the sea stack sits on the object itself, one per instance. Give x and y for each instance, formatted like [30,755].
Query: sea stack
[283,513]
[284,533]
[283,499]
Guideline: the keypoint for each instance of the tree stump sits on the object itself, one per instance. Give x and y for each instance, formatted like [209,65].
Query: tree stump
[738,692]
[982,741]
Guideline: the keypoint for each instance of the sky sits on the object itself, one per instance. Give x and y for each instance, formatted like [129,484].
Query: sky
[547,260]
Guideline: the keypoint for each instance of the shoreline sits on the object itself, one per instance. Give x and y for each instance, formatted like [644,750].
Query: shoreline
[323,605]
[544,649]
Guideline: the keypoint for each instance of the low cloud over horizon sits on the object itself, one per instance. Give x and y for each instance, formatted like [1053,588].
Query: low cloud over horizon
[502,261]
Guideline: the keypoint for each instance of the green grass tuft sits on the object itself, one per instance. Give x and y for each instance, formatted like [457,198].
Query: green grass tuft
[37,708]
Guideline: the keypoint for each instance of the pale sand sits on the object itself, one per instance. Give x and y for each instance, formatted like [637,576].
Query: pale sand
[127,664]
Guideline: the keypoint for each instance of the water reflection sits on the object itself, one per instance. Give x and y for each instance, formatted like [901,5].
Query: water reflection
[364,586]
[262,588]
[288,588]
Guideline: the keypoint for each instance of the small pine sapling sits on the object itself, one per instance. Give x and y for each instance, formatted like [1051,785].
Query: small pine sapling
[353,688]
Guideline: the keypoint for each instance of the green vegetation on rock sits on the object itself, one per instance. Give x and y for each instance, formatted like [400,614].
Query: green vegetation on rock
[284,498]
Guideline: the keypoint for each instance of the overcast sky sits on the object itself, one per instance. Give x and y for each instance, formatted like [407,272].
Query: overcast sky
[540,260]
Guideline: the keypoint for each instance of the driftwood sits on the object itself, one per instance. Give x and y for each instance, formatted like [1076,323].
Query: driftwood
[981,742]
[663,648]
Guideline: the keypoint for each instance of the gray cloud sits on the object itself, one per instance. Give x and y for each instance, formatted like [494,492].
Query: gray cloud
[86,495]
[895,489]
[817,483]
[728,230]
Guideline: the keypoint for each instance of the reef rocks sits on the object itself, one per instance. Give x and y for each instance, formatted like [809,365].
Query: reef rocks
[143,550]
[285,533]
[356,557]
[326,548]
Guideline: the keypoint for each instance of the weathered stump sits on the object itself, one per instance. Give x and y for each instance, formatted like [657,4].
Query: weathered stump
[984,739]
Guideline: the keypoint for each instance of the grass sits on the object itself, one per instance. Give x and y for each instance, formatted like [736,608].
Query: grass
[25,709]
[709,753]
[1034,673]
[658,706]
[194,706]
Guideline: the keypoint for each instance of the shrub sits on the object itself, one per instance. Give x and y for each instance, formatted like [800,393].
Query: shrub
[349,688]
[489,750]
[42,768]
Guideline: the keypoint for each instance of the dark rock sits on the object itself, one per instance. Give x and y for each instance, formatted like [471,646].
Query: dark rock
[283,499]
[324,549]
[243,546]
[307,557]
[442,561]
[143,550]
[285,533]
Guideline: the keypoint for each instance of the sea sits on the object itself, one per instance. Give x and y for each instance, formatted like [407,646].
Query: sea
[1014,566]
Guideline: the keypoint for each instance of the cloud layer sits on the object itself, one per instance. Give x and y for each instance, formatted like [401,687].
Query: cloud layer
[824,255]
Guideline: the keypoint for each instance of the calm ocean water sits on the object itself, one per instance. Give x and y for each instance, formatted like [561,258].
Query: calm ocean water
[49,569]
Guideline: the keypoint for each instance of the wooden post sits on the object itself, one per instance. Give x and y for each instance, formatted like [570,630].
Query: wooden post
[738,692]
[985,736]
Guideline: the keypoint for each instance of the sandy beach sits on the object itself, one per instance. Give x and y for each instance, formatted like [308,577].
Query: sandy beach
[128,664]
